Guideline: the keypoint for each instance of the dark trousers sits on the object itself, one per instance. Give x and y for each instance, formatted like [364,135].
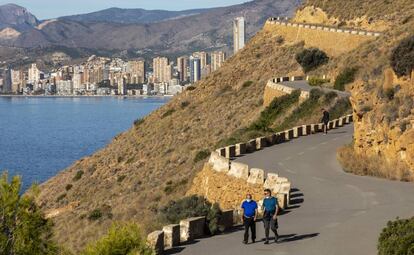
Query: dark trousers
[325,127]
[249,223]
[270,223]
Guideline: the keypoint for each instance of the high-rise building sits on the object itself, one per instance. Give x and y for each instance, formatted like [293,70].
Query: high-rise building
[18,82]
[182,65]
[34,75]
[137,70]
[239,36]
[7,81]
[162,70]
[217,60]
[203,56]
[195,69]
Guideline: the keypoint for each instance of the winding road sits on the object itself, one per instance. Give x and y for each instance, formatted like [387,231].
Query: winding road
[332,212]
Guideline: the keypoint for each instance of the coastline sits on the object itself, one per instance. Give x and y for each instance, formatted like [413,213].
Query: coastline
[86,96]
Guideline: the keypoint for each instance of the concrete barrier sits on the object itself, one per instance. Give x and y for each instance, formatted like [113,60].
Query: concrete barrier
[218,163]
[221,152]
[280,137]
[349,118]
[341,122]
[285,189]
[251,145]
[306,130]
[260,143]
[192,228]
[271,181]
[239,170]
[240,149]
[256,176]
[226,220]
[281,199]
[320,127]
[314,128]
[171,235]
[297,131]
[156,241]
[230,151]
[271,140]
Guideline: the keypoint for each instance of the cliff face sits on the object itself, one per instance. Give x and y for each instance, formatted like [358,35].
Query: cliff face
[382,103]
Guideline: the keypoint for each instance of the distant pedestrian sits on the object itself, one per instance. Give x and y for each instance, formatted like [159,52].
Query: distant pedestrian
[325,120]
[271,209]
[249,207]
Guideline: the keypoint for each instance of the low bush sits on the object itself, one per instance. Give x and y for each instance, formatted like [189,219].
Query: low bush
[121,239]
[311,58]
[192,206]
[121,178]
[247,84]
[278,106]
[345,77]
[138,122]
[95,215]
[171,186]
[397,238]
[342,107]
[60,197]
[184,104]
[191,88]
[402,57]
[68,187]
[201,155]
[168,113]
[316,82]
[78,175]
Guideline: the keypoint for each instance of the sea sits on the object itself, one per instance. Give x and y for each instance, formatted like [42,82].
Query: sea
[40,136]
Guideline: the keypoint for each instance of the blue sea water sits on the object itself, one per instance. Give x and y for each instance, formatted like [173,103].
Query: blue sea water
[39,136]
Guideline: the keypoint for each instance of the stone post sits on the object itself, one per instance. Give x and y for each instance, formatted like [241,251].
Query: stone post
[271,181]
[156,241]
[192,228]
[240,149]
[230,151]
[251,145]
[218,163]
[256,176]
[239,170]
[171,235]
[260,143]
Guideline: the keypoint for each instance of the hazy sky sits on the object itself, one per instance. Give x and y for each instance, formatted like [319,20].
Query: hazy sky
[44,9]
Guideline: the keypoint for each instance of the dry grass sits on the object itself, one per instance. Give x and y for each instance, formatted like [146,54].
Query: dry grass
[373,165]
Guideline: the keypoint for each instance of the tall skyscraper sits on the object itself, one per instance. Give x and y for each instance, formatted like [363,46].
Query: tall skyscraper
[195,69]
[239,36]
[162,70]
[17,81]
[7,81]
[34,74]
[182,64]
[203,56]
[137,70]
[217,60]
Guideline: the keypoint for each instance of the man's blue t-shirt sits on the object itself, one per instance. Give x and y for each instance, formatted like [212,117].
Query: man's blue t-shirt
[249,208]
[270,204]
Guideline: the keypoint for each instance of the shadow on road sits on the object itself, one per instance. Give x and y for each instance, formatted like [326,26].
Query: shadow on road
[295,237]
[296,199]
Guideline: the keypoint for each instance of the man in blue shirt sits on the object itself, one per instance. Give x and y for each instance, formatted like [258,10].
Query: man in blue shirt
[249,207]
[271,209]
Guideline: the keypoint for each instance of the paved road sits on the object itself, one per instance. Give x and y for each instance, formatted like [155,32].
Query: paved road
[304,86]
[336,213]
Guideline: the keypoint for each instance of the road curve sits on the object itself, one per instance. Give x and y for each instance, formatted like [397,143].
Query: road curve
[334,213]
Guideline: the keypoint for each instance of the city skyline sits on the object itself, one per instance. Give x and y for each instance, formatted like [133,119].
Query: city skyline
[47,9]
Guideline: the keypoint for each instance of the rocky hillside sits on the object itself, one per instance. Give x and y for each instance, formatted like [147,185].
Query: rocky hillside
[382,102]
[156,160]
[132,16]
[16,17]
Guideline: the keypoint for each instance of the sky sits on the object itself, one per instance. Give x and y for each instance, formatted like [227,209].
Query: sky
[45,9]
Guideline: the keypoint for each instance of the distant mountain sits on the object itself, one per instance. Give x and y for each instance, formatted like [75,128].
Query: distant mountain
[132,16]
[16,17]
[165,33]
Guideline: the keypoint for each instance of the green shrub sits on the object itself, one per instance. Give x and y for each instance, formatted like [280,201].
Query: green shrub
[402,57]
[345,77]
[316,82]
[168,113]
[138,122]
[397,238]
[121,239]
[343,106]
[95,215]
[78,175]
[23,229]
[191,88]
[192,206]
[311,58]
[68,187]
[201,155]
[184,104]
[121,178]
[247,84]
[331,95]
[278,106]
